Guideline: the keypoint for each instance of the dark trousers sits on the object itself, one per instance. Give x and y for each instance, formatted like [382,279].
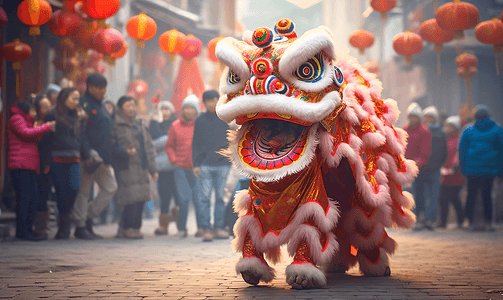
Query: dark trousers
[25,184]
[131,215]
[44,190]
[166,186]
[450,194]
[485,183]
[66,183]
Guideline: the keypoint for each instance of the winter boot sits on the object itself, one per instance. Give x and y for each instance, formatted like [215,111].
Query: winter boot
[41,224]
[89,228]
[63,227]
[163,224]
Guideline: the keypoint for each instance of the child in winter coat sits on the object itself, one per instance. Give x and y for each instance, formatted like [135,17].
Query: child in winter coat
[24,164]
[179,150]
[452,181]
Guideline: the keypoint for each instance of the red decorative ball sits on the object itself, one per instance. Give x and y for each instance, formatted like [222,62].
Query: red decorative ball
[262,37]
[262,67]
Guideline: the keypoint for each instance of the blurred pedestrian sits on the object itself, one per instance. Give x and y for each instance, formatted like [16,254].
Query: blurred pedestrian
[166,184]
[418,149]
[429,176]
[96,168]
[133,159]
[110,106]
[68,145]
[210,136]
[481,160]
[41,220]
[179,151]
[24,164]
[52,92]
[452,180]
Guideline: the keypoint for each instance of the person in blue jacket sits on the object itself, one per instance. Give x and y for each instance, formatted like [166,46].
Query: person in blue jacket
[481,160]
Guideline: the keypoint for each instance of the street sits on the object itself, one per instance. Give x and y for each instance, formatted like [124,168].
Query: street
[447,264]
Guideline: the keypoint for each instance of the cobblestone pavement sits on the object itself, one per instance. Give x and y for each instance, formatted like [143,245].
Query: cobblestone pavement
[446,264]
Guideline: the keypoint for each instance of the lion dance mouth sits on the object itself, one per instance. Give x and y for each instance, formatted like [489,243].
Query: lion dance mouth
[272,144]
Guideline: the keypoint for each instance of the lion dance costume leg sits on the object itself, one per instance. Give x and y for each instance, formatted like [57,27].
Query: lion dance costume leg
[325,161]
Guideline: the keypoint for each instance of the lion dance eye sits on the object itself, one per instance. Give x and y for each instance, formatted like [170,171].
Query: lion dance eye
[233,78]
[312,70]
[338,78]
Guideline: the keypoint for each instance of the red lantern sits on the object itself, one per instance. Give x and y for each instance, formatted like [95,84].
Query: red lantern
[64,23]
[3,18]
[172,42]
[193,47]
[432,33]
[383,6]
[101,9]
[16,52]
[457,16]
[467,69]
[121,52]
[138,88]
[34,13]
[491,32]
[466,60]
[141,28]
[408,44]
[361,39]
[211,48]
[108,41]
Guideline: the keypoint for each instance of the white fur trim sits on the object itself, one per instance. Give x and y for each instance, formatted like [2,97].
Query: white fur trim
[393,112]
[242,202]
[275,103]
[374,225]
[311,236]
[227,52]
[370,269]
[402,178]
[275,175]
[257,267]
[307,271]
[249,224]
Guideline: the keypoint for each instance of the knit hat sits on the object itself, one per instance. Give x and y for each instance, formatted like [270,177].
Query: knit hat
[432,112]
[191,100]
[415,110]
[52,88]
[481,112]
[454,121]
[168,105]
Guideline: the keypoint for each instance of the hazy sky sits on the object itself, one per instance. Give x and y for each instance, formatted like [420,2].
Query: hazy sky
[258,13]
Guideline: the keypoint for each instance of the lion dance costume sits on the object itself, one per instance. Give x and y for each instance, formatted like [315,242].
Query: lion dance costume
[325,162]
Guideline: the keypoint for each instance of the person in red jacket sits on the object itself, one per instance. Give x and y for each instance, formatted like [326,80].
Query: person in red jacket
[179,151]
[24,164]
[452,181]
[418,149]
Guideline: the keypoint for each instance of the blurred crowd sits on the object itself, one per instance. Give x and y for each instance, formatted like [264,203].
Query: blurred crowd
[454,160]
[70,143]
